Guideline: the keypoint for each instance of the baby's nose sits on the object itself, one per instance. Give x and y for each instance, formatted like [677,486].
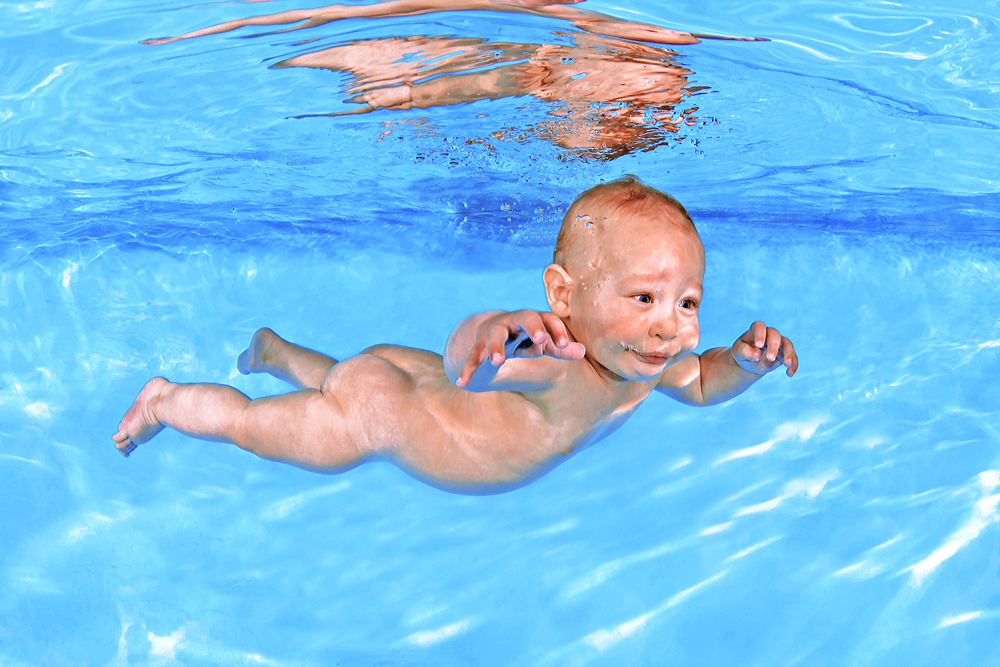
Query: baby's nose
[666,325]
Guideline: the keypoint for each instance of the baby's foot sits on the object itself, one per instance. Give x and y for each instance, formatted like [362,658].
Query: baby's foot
[139,424]
[251,360]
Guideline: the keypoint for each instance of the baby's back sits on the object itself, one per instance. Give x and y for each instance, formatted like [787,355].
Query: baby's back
[403,408]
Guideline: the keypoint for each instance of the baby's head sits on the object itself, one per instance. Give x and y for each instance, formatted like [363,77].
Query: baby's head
[603,208]
[626,277]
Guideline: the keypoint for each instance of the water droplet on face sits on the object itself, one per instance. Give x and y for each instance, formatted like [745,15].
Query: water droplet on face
[505,206]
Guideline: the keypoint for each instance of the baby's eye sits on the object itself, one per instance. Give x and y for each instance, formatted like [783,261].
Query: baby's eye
[644,298]
[689,304]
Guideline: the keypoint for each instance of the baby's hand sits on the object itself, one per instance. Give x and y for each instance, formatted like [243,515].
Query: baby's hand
[762,349]
[523,333]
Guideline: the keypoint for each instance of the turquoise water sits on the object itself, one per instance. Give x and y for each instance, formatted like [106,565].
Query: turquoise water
[159,203]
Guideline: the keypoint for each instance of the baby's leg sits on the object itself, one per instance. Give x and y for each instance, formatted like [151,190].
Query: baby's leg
[270,353]
[305,428]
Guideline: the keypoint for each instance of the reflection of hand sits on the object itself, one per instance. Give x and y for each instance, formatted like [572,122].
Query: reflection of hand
[521,334]
[762,349]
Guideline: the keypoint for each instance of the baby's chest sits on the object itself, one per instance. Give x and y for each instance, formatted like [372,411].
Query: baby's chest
[591,418]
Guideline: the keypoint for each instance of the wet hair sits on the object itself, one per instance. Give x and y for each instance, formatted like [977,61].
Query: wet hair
[602,201]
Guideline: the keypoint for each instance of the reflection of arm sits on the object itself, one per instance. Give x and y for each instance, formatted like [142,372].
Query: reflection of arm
[594,22]
[442,90]
[602,24]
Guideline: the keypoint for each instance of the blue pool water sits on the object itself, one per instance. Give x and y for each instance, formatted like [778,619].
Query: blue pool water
[159,203]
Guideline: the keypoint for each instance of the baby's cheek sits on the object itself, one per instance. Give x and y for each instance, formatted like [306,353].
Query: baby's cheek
[694,337]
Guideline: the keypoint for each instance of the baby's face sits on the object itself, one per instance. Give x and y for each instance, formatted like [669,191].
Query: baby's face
[636,297]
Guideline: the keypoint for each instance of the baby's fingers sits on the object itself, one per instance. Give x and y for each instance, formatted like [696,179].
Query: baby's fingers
[772,343]
[476,358]
[744,349]
[495,342]
[531,323]
[789,357]
[527,335]
[556,329]
[571,352]
[558,343]
[750,344]
[757,335]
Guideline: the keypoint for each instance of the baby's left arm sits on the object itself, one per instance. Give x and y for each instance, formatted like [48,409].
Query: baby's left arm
[721,373]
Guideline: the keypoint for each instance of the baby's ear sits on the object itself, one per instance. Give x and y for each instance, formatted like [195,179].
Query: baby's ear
[558,289]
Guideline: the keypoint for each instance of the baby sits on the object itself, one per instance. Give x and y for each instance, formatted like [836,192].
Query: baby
[516,393]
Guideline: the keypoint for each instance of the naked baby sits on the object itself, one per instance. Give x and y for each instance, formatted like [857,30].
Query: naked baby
[516,393]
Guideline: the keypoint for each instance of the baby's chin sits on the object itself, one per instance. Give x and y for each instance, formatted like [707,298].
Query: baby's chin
[645,377]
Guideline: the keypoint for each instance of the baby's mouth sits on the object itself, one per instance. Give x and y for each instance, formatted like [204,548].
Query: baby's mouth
[648,358]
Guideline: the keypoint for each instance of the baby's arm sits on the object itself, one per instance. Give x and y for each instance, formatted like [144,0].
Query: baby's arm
[721,373]
[484,351]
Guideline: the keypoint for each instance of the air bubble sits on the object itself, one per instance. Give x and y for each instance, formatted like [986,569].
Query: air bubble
[505,206]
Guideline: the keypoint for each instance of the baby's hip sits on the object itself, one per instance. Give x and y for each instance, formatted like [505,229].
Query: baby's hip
[407,359]
[404,409]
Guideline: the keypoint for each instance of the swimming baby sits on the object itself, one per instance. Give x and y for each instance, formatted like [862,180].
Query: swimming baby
[516,393]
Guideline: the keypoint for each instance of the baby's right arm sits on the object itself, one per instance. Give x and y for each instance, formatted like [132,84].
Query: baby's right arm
[478,347]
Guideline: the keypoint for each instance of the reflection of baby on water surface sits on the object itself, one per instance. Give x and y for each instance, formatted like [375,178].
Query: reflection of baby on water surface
[636,86]
[636,83]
